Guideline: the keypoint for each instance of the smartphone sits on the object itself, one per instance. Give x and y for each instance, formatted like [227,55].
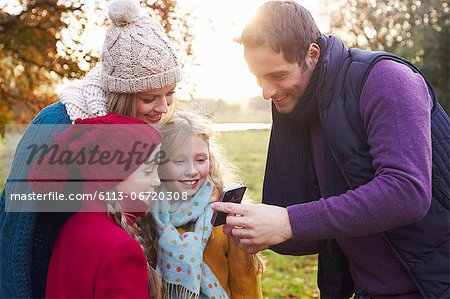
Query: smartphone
[234,194]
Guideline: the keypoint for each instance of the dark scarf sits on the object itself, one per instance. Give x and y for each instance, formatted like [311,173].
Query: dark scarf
[306,110]
[289,147]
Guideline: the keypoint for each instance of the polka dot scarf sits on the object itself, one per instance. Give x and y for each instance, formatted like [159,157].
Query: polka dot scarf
[180,257]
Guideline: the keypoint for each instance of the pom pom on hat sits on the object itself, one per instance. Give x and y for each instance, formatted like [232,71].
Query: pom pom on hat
[124,12]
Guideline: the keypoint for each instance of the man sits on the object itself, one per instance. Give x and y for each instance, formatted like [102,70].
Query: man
[357,167]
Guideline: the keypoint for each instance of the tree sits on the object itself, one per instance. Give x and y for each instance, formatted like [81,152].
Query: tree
[40,44]
[415,30]
[31,59]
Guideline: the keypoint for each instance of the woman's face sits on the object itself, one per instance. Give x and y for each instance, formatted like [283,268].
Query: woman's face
[143,179]
[152,104]
[188,168]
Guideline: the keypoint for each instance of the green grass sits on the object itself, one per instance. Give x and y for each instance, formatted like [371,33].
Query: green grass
[247,150]
[285,276]
[289,276]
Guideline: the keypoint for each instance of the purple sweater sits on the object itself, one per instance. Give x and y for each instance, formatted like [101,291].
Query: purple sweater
[395,109]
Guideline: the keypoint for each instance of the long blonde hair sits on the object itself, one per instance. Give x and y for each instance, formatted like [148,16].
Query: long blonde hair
[144,232]
[126,104]
[189,121]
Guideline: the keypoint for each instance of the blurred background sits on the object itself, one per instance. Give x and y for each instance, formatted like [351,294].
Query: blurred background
[46,43]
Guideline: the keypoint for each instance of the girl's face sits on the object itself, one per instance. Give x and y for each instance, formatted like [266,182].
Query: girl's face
[188,168]
[143,179]
[152,104]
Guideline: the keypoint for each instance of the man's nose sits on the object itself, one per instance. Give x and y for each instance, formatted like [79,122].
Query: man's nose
[268,91]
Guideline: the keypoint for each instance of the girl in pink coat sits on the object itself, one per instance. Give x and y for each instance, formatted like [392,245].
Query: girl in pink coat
[99,250]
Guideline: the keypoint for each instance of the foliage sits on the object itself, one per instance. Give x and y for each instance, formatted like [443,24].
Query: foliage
[416,30]
[40,44]
[30,61]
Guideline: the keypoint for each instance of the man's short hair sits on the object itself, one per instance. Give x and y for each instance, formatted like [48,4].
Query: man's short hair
[284,26]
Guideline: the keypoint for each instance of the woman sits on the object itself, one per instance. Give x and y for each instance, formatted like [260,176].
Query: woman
[137,77]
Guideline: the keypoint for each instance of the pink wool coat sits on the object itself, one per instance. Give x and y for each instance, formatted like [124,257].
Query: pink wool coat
[95,258]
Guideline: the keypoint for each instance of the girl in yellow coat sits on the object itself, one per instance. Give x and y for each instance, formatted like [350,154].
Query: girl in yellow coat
[196,260]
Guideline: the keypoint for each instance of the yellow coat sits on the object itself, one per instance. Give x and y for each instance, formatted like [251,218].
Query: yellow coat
[234,268]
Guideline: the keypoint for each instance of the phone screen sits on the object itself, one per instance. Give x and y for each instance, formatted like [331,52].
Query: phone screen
[230,194]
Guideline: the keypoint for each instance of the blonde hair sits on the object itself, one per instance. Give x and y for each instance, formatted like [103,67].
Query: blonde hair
[122,103]
[189,121]
[144,232]
[126,104]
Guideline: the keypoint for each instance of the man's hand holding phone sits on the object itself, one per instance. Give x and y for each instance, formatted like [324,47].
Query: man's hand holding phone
[258,225]
[233,194]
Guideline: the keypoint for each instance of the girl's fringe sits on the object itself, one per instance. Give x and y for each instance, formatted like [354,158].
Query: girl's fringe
[174,291]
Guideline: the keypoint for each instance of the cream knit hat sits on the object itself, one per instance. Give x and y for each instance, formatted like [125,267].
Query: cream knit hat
[137,54]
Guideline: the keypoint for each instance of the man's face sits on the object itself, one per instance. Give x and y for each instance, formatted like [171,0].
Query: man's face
[282,82]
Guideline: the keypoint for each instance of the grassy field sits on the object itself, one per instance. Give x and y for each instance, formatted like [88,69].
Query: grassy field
[285,276]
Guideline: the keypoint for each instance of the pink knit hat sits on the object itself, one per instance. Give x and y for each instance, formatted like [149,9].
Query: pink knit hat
[100,152]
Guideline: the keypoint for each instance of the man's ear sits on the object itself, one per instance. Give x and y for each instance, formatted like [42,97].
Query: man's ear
[313,54]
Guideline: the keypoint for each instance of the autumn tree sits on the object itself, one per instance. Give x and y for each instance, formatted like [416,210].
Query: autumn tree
[40,44]
[416,30]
